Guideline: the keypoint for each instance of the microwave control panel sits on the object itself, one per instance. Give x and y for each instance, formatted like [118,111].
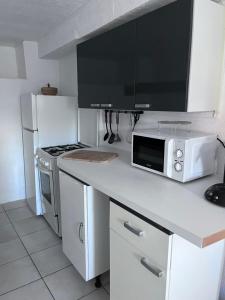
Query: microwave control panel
[178,158]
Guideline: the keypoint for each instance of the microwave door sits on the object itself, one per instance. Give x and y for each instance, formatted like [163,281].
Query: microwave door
[149,153]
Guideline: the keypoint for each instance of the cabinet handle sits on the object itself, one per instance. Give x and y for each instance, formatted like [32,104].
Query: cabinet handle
[133,230]
[143,105]
[106,105]
[95,105]
[81,233]
[154,270]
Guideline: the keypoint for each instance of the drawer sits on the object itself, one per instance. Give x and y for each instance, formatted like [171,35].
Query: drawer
[152,241]
[146,281]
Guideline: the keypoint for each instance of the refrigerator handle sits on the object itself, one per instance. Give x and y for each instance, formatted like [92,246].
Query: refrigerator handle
[30,130]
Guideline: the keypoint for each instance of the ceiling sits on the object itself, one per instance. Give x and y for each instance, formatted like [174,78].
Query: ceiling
[32,19]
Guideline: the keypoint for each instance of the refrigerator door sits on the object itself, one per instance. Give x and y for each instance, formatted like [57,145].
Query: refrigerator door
[29,111]
[57,120]
[30,142]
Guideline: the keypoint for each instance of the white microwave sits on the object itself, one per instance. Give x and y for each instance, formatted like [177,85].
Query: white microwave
[183,156]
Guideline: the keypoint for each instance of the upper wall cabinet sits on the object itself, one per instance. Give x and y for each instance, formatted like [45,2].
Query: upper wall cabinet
[162,60]
[167,60]
[106,69]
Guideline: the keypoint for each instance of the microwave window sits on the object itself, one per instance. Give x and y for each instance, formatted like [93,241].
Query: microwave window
[149,152]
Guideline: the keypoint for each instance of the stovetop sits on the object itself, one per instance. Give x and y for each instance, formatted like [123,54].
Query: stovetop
[58,150]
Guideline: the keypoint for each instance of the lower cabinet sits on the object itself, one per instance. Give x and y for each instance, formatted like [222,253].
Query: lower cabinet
[85,226]
[149,263]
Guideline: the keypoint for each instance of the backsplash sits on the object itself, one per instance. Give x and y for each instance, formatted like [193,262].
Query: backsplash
[203,121]
[200,121]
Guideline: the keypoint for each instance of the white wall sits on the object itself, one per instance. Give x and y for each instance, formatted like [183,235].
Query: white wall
[20,59]
[39,72]
[68,74]
[8,62]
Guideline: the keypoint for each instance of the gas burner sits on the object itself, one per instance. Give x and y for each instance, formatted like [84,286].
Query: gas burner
[71,147]
[57,153]
[58,150]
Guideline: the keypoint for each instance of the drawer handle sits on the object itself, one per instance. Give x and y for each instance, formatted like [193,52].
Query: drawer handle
[106,105]
[154,270]
[81,233]
[133,230]
[95,105]
[142,105]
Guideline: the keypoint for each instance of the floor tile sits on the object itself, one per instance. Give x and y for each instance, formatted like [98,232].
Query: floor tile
[67,284]
[16,274]
[19,214]
[11,250]
[97,295]
[33,291]
[50,260]
[30,225]
[14,204]
[1,208]
[7,233]
[3,219]
[40,240]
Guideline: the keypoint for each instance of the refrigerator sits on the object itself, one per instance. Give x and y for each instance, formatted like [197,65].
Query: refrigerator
[46,121]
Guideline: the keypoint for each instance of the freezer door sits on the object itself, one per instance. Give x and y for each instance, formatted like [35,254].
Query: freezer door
[57,120]
[28,111]
[30,141]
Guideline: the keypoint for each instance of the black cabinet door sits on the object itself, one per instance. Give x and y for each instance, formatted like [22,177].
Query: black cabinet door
[106,69]
[162,59]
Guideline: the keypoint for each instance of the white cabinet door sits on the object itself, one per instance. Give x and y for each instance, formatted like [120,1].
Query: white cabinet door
[130,279]
[73,221]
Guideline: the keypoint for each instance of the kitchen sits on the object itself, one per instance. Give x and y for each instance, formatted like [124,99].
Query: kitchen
[53,247]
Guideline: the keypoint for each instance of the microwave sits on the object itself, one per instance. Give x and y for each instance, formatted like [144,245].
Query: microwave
[182,156]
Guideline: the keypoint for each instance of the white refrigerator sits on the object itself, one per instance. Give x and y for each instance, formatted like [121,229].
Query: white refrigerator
[46,121]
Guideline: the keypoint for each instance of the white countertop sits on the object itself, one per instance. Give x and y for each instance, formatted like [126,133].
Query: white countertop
[179,207]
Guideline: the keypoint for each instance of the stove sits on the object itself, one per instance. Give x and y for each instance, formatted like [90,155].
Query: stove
[49,181]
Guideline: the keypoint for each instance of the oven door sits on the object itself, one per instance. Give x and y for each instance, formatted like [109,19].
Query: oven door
[47,196]
[149,153]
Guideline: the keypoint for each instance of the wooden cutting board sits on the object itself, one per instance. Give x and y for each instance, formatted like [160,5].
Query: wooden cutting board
[91,156]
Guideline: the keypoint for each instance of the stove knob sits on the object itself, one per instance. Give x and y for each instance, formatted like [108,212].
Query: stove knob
[179,153]
[178,167]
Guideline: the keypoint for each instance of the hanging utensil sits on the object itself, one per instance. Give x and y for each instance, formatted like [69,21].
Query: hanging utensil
[117,137]
[112,136]
[106,136]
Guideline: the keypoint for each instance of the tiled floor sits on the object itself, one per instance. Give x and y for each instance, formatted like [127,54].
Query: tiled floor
[32,264]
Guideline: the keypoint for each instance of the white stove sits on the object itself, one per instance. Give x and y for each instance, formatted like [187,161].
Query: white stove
[49,181]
